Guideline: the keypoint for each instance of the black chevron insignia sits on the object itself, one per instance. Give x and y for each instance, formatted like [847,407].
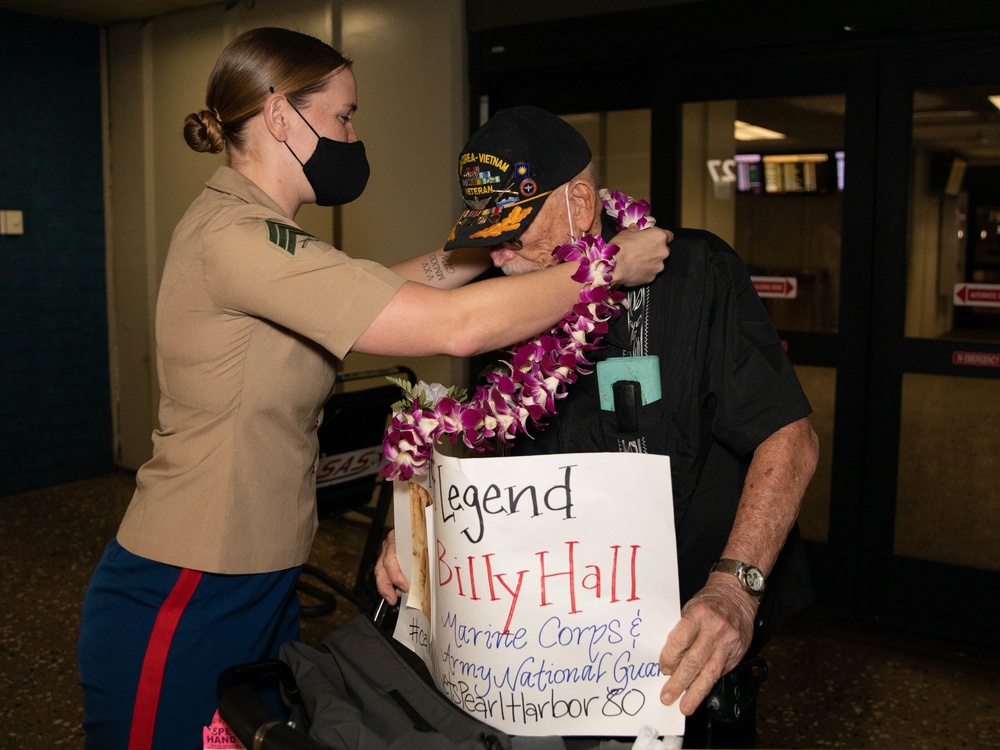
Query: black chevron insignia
[285,236]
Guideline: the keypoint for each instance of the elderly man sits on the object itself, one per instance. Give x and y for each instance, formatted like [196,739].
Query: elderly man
[732,416]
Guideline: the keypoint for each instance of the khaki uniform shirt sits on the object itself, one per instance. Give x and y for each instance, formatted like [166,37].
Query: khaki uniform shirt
[252,316]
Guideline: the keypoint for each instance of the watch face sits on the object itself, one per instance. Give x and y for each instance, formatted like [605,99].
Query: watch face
[754,579]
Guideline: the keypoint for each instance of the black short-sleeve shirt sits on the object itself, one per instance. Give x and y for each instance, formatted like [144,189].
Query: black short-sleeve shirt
[726,386]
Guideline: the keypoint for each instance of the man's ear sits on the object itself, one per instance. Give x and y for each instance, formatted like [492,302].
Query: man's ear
[276,109]
[583,205]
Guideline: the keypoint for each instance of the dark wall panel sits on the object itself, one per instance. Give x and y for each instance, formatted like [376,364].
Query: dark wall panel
[54,390]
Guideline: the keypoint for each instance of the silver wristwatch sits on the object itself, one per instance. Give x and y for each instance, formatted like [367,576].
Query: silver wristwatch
[749,576]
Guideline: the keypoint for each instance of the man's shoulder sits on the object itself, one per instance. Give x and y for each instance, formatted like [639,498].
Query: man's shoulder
[699,239]
[699,252]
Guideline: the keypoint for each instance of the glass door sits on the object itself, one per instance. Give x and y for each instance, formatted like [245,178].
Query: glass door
[768,175]
[869,216]
[778,158]
[938,353]
[947,498]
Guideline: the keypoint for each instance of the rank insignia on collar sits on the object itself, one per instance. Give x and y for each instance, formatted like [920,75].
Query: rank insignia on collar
[286,236]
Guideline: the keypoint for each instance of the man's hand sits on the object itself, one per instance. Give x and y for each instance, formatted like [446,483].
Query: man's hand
[389,576]
[716,625]
[641,255]
[714,633]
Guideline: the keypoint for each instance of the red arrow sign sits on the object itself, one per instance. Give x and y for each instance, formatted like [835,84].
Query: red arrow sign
[976,295]
[777,287]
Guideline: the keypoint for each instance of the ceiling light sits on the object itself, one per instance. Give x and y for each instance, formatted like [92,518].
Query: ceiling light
[744,131]
[996,100]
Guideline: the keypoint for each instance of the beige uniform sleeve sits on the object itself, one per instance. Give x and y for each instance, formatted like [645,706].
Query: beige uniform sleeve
[274,270]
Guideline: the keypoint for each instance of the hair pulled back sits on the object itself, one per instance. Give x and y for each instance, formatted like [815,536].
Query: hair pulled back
[293,63]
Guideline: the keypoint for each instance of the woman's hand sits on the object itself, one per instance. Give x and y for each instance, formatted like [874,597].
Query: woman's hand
[641,255]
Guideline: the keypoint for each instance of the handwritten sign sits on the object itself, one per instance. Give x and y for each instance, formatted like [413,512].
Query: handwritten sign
[552,583]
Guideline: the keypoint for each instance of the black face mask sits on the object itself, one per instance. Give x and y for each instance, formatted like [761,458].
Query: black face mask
[337,171]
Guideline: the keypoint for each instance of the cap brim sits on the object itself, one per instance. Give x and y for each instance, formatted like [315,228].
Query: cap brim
[490,227]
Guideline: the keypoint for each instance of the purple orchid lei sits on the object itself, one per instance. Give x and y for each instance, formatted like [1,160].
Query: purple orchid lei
[539,372]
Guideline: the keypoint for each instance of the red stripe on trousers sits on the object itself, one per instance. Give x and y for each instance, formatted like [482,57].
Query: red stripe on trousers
[147,696]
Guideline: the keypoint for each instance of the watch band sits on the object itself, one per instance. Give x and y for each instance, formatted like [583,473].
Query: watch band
[749,576]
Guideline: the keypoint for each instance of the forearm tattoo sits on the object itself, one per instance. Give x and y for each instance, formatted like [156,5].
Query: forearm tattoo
[437,266]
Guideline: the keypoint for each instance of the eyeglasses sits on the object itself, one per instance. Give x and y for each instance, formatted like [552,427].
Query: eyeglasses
[514,244]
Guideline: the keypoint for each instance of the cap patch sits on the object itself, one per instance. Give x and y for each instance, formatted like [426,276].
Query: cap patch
[286,236]
[486,180]
[509,223]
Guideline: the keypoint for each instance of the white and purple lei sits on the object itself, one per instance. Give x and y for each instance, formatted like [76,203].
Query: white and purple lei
[539,372]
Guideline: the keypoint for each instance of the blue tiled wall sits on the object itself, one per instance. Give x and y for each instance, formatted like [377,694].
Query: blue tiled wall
[54,390]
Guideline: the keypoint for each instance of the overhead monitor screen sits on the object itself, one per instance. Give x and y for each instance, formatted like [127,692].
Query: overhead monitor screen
[778,174]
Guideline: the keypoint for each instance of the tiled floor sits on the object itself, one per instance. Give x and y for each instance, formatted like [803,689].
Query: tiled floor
[828,688]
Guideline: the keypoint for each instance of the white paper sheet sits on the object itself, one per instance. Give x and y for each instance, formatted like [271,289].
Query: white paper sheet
[553,585]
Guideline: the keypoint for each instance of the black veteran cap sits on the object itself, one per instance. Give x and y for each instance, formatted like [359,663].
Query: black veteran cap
[507,169]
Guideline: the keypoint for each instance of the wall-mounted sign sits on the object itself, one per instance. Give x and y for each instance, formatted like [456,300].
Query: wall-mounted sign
[976,359]
[776,287]
[976,295]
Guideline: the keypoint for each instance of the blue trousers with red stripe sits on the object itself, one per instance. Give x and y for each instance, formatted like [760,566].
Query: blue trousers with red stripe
[154,639]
